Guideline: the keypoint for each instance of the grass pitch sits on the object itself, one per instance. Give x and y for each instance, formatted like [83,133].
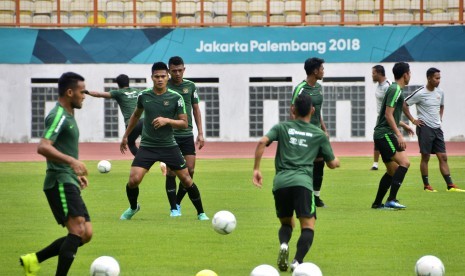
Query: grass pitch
[350,237]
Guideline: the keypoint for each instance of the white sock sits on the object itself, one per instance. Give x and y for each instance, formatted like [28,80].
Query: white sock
[316,193]
[375,164]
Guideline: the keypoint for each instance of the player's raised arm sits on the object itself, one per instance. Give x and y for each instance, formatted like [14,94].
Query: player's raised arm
[98,94]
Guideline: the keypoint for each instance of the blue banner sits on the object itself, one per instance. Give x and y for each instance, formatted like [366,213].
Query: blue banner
[248,45]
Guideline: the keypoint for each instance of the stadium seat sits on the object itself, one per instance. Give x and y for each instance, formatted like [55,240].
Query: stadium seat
[186,19]
[150,17]
[257,6]
[43,7]
[101,6]
[293,17]
[220,8]
[292,6]
[187,8]
[441,16]
[312,6]
[8,5]
[313,18]
[350,17]
[128,6]
[331,18]
[400,6]
[455,16]
[364,6]
[453,5]
[64,8]
[389,17]
[115,11]
[41,18]
[388,6]
[220,19]
[240,6]
[277,18]
[277,7]
[63,19]
[77,18]
[207,17]
[349,6]
[329,7]
[426,16]
[368,17]
[167,19]
[166,7]
[6,17]
[25,17]
[239,17]
[402,17]
[207,7]
[436,6]
[257,17]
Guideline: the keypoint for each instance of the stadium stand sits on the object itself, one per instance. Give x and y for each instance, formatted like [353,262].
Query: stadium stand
[229,12]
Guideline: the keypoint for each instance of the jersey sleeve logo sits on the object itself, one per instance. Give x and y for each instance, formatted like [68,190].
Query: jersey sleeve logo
[180,103]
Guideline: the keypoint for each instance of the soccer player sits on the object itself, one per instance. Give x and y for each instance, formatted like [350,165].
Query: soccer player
[65,177]
[184,137]
[315,71]
[389,140]
[429,101]
[126,97]
[299,143]
[379,76]
[164,110]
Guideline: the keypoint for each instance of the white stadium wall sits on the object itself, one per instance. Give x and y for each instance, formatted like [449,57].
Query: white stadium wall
[233,91]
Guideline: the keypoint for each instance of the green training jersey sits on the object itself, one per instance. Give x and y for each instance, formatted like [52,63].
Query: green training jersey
[188,91]
[316,92]
[299,143]
[61,128]
[393,98]
[169,105]
[127,100]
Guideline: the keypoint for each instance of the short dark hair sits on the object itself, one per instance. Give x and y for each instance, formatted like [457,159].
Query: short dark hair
[303,104]
[380,70]
[176,60]
[399,69]
[313,63]
[67,81]
[122,81]
[159,66]
[431,71]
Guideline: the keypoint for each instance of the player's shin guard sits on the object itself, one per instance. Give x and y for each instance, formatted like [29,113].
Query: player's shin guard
[181,193]
[132,194]
[170,186]
[397,180]
[285,233]
[67,253]
[194,196]
[303,244]
[318,170]
[383,187]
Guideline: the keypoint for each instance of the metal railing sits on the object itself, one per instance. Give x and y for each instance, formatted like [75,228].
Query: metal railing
[206,13]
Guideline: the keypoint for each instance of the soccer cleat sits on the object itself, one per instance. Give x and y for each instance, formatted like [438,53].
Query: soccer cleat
[30,264]
[202,216]
[129,213]
[374,168]
[283,257]
[175,213]
[380,207]
[428,188]
[294,265]
[178,207]
[319,202]
[394,204]
[454,188]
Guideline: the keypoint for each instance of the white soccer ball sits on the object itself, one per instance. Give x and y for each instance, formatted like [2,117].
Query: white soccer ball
[206,272]
[429,266]
[264,270]
[307,269]
[224,222]
[104,166]
[104,266]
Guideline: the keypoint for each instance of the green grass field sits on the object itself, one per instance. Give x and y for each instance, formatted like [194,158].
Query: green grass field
[350,237]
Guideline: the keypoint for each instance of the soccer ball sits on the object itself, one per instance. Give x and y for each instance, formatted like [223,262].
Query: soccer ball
[206,272]
[307,269]
[429,266]
[224,222]
[104,266]
[104,166]
[264,270]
